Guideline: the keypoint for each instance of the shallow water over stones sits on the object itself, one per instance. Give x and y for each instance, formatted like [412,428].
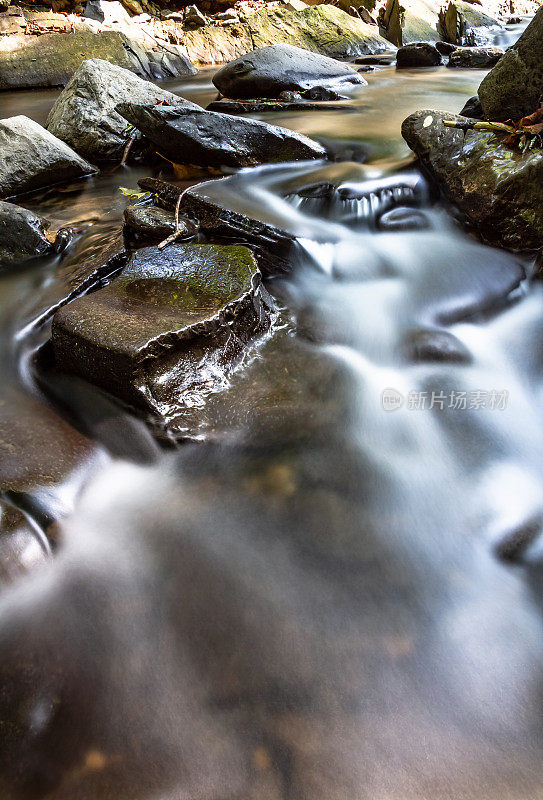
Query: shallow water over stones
[308,602]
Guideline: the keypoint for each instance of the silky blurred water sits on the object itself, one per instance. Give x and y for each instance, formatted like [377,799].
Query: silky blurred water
[311,602]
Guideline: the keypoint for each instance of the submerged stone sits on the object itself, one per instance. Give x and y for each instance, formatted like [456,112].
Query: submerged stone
[499,190]
[291,393]
[84,114]
[22,236]
[169,329]
[32,158]
[44,461]
[435,345]
[207,138]
[403,218]
[282,67]
[21,547]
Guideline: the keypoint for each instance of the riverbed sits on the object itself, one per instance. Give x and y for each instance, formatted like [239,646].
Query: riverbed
[311,595]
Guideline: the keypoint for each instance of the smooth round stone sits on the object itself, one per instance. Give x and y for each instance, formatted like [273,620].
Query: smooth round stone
[21,549]
[435,345]
[403,218]
[419,54]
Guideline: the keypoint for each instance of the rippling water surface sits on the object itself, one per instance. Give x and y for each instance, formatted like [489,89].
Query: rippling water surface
[335,593]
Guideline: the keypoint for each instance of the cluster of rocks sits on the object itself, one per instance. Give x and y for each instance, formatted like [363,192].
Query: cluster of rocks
[456,22]
[426,54]
[499,190]
[45,48]
[203,304]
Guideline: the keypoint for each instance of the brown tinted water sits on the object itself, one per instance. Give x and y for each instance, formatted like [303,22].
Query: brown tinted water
[306,603]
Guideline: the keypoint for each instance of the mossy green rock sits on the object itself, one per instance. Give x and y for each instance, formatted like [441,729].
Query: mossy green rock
[169,328]
[500,191]
[52,59]
[514,86]
[323,29]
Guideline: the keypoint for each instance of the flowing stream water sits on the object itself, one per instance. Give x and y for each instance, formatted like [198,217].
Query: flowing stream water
[318,599]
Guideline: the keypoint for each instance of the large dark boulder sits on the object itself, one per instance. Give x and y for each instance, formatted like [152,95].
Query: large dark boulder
[207,138]
[22,236]
[499,190]
[52,59]
[281,67]
[419,54]
[84,114]
[169,329]
[513,87]
[31,158]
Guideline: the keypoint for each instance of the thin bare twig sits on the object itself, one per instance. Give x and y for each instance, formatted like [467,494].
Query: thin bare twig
[173,236]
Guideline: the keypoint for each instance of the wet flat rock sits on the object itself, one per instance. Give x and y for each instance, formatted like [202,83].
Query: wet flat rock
[499,190]
[282,67]
[32,158]
[292,393]
[207,138]
[169,328]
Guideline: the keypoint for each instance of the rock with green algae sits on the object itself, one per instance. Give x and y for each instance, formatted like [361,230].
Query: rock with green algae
[52,59]
[512,89]
[169,330]
[500,191]
[321,29]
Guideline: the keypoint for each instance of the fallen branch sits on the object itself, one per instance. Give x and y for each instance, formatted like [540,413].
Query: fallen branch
[524,135]
[471,125]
